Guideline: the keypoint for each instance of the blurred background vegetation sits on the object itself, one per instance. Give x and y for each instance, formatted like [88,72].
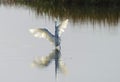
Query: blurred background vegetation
[102,11]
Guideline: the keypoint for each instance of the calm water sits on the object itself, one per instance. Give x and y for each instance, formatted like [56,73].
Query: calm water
[90,50]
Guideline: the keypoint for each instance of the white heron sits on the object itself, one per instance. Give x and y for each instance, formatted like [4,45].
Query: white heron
[55,40]
[44,33]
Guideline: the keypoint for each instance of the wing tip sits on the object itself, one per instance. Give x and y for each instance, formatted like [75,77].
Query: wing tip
[66,19]
[31,30]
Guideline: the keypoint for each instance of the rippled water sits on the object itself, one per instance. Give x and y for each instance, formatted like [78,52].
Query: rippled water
[90,50]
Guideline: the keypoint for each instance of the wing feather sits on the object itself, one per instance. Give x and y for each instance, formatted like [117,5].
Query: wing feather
[63,67]
[43,33]
[62,26]
[44,61]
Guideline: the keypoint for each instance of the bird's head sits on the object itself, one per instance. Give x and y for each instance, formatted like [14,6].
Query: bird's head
[55,23]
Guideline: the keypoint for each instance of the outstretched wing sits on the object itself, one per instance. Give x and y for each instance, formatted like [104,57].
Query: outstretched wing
[44,61]
[43,33]
[62,67]
[62,26]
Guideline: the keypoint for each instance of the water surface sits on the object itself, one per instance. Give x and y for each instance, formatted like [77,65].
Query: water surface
[90,50]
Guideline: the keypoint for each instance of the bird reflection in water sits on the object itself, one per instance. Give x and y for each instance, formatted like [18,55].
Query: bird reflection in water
[46,60]
[55,40]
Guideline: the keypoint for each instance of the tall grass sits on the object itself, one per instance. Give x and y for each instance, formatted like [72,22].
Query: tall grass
[75,2]
[77,10]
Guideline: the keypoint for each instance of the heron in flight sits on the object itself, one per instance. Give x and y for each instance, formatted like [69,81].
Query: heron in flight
[44,33]
[55,40]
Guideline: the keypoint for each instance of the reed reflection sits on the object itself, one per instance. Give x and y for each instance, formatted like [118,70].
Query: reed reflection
[100,11]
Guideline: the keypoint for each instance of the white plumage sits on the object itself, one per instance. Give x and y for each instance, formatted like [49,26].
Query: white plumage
[44,61]
[62,27]
[44,33]
[55,40]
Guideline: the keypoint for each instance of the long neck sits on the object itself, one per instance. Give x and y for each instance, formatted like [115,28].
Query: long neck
[57,39]
[56,29]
